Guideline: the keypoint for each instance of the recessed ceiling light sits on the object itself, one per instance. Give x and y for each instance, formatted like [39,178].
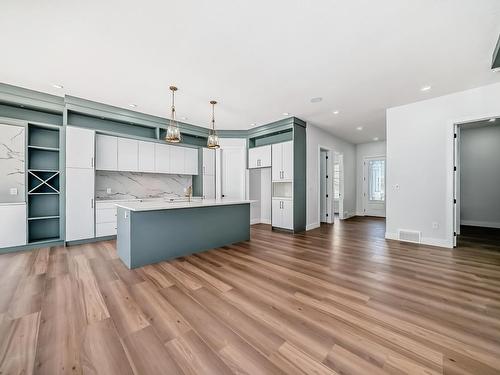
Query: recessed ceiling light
[359,128]
[426,88]
[133,105]
[492,120]
[316,100]
[375,139]
[57,86]
[286,114]
[335,112]
[252,124]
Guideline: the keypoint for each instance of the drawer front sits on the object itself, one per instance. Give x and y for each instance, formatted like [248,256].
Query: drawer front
[105,229]
[106,215]
[102,205]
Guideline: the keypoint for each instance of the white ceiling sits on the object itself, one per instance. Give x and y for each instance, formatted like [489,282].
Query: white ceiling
[257,58]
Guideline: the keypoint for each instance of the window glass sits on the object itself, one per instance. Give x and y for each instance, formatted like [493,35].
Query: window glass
[376,180]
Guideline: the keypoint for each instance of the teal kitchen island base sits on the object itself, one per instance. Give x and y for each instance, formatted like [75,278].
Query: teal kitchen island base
[151,232]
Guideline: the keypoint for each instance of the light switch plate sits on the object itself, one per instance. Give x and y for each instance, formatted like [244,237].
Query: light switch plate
[13,191]
[108,190]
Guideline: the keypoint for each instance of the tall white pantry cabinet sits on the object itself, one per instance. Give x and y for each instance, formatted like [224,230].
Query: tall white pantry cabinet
[80,180]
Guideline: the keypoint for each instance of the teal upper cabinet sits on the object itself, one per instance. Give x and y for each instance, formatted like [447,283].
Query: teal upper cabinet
[106,152]
[79,147]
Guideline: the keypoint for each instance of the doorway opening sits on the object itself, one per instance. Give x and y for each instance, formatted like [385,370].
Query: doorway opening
[331,185]
[374,186]
[476,184]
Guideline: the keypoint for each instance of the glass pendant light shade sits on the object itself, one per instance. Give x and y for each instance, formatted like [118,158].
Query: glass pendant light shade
[213,138]
[173,132]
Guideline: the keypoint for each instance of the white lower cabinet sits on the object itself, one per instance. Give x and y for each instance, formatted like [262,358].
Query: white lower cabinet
[282,213]
[79,204]
[105,219]
[12,225]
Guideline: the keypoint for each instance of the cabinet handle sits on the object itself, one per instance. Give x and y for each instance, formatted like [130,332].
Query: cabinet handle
[92,202]
[92,162]
[203,169]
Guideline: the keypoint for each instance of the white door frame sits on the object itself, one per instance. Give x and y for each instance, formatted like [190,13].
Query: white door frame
[329,190]
[365,179]
[453,179]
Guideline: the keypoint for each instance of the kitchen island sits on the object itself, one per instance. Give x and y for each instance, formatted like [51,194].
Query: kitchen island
[151,232]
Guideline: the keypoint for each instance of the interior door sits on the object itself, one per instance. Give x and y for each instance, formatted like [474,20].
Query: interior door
[79,204]
[456,185]
[374,186]
[233,173]
[323,187]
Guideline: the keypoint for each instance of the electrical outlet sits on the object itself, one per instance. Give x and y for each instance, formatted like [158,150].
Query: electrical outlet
[435,225]
[108,190]
[13,191]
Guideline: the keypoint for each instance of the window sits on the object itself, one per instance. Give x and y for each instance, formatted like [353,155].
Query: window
[336,181]
[376,180]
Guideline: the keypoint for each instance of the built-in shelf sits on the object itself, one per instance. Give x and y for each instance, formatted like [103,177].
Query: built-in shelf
[43,217]
[44,148]
[44,198]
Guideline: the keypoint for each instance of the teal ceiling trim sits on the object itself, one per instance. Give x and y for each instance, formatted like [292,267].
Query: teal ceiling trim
[21,97]
[232,133]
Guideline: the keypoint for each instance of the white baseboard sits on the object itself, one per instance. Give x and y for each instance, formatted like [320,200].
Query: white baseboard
[312,226]
[349,215]
[486,224]
[424,240]
[259,221]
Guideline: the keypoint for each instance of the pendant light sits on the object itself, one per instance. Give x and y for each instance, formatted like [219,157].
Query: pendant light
[173,132]
[213,138]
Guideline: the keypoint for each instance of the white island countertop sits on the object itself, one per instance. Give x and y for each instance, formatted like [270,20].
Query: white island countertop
[173,205]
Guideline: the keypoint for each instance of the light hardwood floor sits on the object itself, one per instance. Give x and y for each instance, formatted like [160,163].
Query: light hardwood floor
[336,300]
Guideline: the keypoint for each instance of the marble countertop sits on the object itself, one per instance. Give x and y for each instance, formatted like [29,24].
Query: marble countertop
[166,205]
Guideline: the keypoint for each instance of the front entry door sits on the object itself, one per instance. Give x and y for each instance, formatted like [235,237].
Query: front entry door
[374,186]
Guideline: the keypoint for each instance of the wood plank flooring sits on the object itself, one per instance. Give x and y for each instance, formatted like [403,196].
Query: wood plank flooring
[336,300]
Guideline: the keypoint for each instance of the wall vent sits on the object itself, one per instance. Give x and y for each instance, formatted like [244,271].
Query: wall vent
[409,235]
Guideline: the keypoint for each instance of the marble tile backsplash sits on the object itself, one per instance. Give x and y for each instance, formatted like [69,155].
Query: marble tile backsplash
[134,185]
[12,178]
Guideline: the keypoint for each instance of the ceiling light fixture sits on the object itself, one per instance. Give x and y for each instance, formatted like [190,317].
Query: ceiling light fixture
[252,124]
[286,114]
[213,138]
[359,128]
[56,86]
[132,105]
[316,100]
[426,88]
[335,112]
[375,139]
[173,132]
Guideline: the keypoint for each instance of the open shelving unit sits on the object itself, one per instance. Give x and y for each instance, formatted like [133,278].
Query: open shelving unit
[44,183]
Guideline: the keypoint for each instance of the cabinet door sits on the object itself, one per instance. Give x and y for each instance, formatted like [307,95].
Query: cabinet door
[12,225]
[287,161]
[276,213]
[80,147]
[264,156]
[106,152]
[277,161]
[253,157]
[128,155]
[191,161]
[287,214]
[208,161]
[146,156]
[177,160]
[209,186]
[162,158]
[79,204]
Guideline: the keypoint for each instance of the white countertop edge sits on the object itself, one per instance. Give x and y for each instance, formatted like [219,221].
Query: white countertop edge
[154,206]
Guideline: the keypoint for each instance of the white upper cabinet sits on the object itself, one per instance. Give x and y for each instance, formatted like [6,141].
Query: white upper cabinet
[282,163]
[208,162]
[259,157]
[177,161]
[162,158]
[146,156]
[191,161]
[80,146]
[128,156]
[106,152]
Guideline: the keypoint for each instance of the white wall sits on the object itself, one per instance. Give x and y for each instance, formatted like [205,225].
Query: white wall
[420,160]
[480,176]
[317,138]
[364,150]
